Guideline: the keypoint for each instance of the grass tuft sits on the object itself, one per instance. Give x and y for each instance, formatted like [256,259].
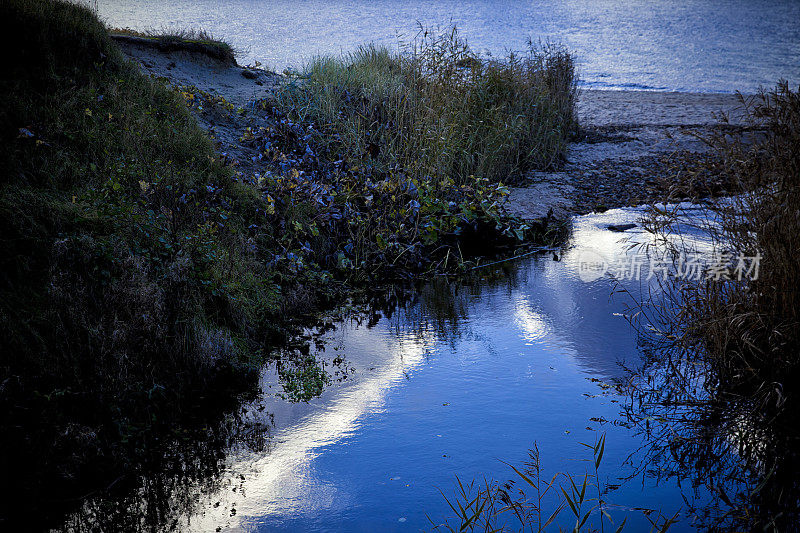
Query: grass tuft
[180,40]
[439,110]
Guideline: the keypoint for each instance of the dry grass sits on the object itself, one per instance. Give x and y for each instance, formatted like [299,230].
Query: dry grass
[438,109]
[751,327]
[727,369]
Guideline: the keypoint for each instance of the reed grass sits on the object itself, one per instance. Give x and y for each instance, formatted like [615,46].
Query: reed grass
[726,364]
[748,329]
[518,505]
[436,108]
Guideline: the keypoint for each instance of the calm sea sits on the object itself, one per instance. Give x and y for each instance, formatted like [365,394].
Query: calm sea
[680,45]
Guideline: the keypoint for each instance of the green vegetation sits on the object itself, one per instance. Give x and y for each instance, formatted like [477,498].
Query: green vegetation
[404,153]
[438,110]
[127,290]
[145,278]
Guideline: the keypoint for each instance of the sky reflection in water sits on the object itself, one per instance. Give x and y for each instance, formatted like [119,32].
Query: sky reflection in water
[466,377]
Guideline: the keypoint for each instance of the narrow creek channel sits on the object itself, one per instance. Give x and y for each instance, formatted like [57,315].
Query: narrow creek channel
[468,376]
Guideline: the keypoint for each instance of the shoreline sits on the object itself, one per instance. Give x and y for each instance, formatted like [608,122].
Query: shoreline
[629,145]
[631,108]
[633,148]
[595,107]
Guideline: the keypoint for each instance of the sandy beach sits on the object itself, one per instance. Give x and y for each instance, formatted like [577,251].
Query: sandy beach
[631,147]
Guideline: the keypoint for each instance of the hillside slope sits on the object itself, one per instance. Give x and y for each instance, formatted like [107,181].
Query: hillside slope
[127,289]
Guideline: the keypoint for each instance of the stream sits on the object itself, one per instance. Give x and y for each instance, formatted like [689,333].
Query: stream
[464,378]
[470,376]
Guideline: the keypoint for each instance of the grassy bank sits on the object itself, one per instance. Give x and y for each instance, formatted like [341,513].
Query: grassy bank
[127,292]
[193,41]
[145,278]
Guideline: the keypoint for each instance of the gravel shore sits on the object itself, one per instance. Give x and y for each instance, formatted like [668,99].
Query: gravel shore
[633,147]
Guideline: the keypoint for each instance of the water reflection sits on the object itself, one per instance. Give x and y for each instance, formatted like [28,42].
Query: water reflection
[283,482]
[743,451]
[464,373]
[458,376]
[167,485]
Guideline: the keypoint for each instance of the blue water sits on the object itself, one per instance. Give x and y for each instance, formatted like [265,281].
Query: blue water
[468,376]
[679,45]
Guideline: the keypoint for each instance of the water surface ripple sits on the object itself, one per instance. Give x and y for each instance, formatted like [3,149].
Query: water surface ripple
[469,375]
[676,45]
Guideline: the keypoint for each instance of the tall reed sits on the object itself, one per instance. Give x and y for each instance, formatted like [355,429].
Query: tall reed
[749,329]
[436,108]
[727,372]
